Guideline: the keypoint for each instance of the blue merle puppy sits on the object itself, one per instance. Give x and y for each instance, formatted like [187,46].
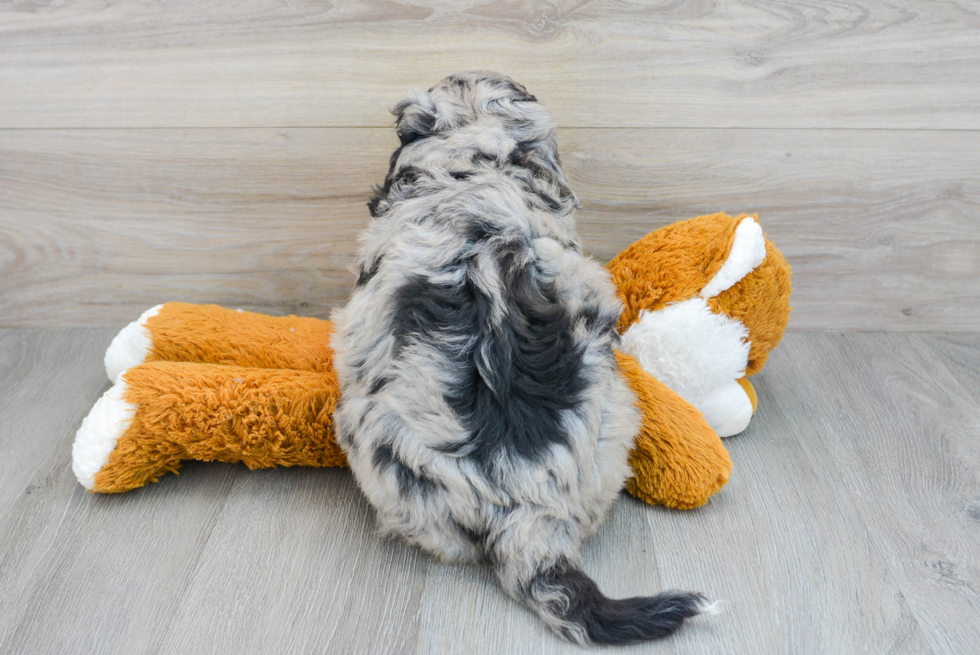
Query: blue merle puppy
[482,411]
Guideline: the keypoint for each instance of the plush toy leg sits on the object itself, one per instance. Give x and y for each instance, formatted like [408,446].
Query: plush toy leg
[161,413]
[181,332]
[677,459]
[699,355]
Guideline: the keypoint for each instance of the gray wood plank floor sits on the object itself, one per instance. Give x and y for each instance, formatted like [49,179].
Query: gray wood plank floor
[851,524]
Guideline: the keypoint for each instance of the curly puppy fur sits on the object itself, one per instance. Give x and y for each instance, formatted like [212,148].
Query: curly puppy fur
[482,411]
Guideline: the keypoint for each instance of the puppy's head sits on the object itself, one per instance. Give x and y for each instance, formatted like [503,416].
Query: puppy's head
[463,99]
[489,113]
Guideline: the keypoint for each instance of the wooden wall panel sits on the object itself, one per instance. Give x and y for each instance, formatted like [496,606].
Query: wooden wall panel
[95,225]
[608,63]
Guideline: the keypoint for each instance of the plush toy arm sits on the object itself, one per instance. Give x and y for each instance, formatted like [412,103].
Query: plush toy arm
[162,413]
[181,332]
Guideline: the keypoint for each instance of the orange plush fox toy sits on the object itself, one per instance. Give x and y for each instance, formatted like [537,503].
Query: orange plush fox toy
[705,301]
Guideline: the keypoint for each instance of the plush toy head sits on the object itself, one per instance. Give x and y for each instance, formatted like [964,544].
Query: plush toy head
[705,300]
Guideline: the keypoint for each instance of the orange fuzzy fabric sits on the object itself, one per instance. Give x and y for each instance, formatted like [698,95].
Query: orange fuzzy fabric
[259,416]
[211,334]
[761,301]
[671,264]
[677,459]
[675,262]
[749,391]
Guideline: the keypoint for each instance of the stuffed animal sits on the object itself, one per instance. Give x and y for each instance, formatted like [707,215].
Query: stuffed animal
[705,302]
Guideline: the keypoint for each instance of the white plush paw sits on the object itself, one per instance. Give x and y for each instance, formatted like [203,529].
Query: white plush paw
[131,346]
[95,440]
[727,409]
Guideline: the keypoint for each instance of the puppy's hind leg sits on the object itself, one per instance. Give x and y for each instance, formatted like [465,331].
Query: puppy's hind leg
[442,537]
[413,507]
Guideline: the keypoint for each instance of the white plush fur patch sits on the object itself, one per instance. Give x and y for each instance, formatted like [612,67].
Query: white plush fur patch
[748,251]
[130,347]
[689,348]
[95,440]
[727,409]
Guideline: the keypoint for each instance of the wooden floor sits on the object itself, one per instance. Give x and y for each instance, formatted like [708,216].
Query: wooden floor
[851,525]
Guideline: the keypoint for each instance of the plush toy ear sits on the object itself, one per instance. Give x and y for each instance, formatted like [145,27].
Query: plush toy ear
[416,117]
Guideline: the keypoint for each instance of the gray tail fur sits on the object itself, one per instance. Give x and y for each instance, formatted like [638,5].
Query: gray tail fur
[572,605]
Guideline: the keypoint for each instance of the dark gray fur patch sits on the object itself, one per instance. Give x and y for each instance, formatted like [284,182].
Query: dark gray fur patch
[610,621]
[378,385]
[409,483]
[365,276]
[512,381]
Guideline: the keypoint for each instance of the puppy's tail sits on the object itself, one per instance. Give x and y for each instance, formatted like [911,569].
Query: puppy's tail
[572,605]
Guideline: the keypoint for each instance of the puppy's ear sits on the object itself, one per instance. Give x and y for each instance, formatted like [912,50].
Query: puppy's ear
[566,196]
[416,117]
[544,163]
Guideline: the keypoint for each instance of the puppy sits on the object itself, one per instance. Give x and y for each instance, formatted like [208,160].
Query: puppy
[482,412]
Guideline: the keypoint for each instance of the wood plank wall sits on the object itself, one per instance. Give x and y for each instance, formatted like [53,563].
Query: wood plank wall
[223,152]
